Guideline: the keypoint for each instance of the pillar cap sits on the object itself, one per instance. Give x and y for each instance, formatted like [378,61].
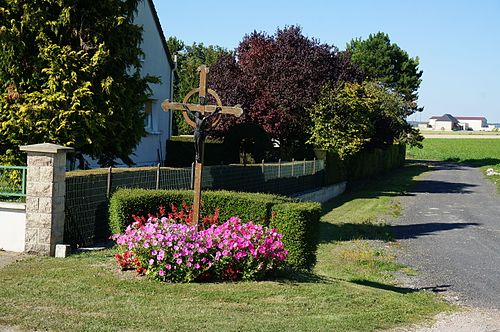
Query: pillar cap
[45,148]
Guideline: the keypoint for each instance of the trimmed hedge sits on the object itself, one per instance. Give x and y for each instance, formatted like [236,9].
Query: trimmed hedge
[248,206]
[297,221]
[373,162]
[363,164]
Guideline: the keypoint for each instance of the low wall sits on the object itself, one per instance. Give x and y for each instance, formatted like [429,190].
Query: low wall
[13,226]
[323,194]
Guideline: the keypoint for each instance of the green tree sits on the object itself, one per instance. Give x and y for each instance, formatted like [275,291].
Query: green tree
[397,79]
[342,119]
[70,74]
[354,117]
[189,58]
[387,63]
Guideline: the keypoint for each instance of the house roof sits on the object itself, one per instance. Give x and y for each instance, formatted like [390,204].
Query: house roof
[471,118]
[160,31]
[447,118]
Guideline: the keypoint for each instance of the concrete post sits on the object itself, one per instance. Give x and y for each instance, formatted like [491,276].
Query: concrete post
[45,191]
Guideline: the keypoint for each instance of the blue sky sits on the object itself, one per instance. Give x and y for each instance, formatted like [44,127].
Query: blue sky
[457,42]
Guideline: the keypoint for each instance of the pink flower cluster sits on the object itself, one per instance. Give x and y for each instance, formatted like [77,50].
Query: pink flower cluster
[233,250]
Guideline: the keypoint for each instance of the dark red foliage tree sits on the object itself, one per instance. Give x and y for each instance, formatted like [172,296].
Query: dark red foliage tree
[275,78]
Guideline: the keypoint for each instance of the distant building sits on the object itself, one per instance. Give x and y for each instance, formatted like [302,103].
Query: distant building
[473,122]
[448,122]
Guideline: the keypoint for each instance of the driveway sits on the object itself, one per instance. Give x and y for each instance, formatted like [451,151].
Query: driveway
[450,233]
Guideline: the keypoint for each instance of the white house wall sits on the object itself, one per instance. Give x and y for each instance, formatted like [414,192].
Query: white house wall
[474,124]
[155,63]
[443,125]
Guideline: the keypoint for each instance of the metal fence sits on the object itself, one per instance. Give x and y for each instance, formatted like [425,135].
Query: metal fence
[12,182]
[88,192]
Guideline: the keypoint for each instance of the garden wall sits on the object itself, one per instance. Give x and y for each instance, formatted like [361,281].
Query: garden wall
[13,226]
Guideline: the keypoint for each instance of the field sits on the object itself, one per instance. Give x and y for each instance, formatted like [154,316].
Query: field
[352,287]
[483,153]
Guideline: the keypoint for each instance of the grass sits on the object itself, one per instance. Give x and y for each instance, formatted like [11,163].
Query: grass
[483,153]
[350,289]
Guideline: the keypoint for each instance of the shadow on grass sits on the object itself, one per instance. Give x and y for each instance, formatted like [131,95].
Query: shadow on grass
[475,162]
[400,290]
[366,231]
[401,182]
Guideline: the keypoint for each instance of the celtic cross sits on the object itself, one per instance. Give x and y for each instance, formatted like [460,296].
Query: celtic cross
[203,116]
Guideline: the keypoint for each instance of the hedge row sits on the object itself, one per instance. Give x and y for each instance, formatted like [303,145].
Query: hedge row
[297,221]
[363,164]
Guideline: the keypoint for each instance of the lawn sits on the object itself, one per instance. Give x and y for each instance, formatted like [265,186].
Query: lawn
[483,153]
[350,289]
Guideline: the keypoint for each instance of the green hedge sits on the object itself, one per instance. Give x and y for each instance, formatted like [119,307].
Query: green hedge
[373,162]
[361,165]
[297,221]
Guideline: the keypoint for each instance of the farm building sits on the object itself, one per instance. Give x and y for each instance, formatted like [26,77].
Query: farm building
[473,122]
[448,122]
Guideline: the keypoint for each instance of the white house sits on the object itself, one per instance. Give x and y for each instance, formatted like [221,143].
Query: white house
[157,62]
[446,122]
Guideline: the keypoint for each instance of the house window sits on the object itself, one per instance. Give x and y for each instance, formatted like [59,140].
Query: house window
[148,119]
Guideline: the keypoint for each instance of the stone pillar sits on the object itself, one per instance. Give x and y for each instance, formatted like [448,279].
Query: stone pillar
[45,192]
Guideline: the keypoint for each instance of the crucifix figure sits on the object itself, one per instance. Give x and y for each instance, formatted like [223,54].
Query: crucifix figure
[204,116]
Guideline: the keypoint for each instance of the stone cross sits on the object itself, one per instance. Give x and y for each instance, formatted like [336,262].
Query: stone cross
[203,116]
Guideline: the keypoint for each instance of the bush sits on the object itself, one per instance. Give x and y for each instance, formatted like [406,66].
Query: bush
[362,164]
[168,251]
[140,202]
[298,222]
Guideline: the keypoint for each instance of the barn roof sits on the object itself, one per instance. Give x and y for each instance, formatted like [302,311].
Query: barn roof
[447,118]
[471,118]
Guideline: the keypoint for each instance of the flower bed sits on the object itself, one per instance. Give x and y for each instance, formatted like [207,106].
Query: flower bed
[168,251]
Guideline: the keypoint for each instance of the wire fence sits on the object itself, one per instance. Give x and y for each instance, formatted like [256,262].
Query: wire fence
[88,192]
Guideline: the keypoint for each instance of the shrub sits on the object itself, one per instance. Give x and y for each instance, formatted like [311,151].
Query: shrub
[248,206]
[298,222]
[169,251]
[363,164]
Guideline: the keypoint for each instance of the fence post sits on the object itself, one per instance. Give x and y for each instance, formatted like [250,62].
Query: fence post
[279,168]
[293,164]
[304,167]
[314,165]
[109,182]
[262,166]
[158,176]
[45,194]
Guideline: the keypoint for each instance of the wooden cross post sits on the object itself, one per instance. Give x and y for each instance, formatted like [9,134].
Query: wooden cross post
[203,116]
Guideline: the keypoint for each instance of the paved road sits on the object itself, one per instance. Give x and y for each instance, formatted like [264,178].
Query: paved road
[450,232]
